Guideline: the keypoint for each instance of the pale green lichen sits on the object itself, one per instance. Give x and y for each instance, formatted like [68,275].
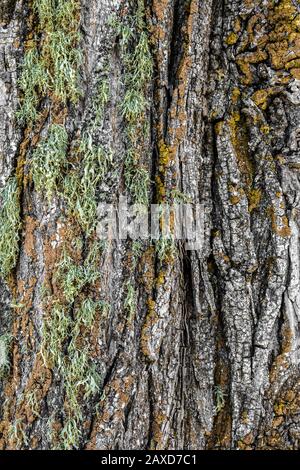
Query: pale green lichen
[130,303]
[219,398]
[49,159]
[10,224]
[80,184]
[138,65]
[51,66]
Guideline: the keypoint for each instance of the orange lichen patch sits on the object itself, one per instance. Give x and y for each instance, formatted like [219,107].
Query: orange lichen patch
[22,156]
[35,391]
[147,270]
[151,319]
[295,72]
[237,25]
[160,9]
[280,44]
[235,199]
[118,391]
[158,425]
[246,442]
[29,239]
[280,224]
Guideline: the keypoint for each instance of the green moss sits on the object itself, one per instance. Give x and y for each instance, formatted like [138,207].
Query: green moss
[49,159]
[10,225]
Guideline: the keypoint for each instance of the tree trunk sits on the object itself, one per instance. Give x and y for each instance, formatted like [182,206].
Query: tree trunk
[123,344]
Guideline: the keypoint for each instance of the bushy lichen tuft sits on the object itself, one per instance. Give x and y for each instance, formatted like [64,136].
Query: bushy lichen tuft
[80,184]
[51,66]
[138,70]
[10,224]
[49,159]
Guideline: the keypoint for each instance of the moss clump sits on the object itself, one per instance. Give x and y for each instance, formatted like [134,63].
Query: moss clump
[10,224]
[49,159]
[101,100]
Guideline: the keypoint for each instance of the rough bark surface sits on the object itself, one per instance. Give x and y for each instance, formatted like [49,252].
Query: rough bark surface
[124,345]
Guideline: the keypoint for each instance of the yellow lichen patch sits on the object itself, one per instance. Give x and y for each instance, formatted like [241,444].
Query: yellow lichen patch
[284,19]
[295,72]
[235,96]
[231,39]
[261,97]
[254,199]
[244,62]
[151,319]
[164,156]
[239,139]
[265,129]
[235,194]
[219,127]
[237,25]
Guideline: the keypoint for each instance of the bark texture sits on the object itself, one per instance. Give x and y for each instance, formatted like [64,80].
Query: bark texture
[135,345]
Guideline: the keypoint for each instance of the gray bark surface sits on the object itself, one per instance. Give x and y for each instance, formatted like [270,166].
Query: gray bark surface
[132,346]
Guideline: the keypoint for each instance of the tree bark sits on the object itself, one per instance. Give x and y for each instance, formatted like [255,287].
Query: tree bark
[142,345]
